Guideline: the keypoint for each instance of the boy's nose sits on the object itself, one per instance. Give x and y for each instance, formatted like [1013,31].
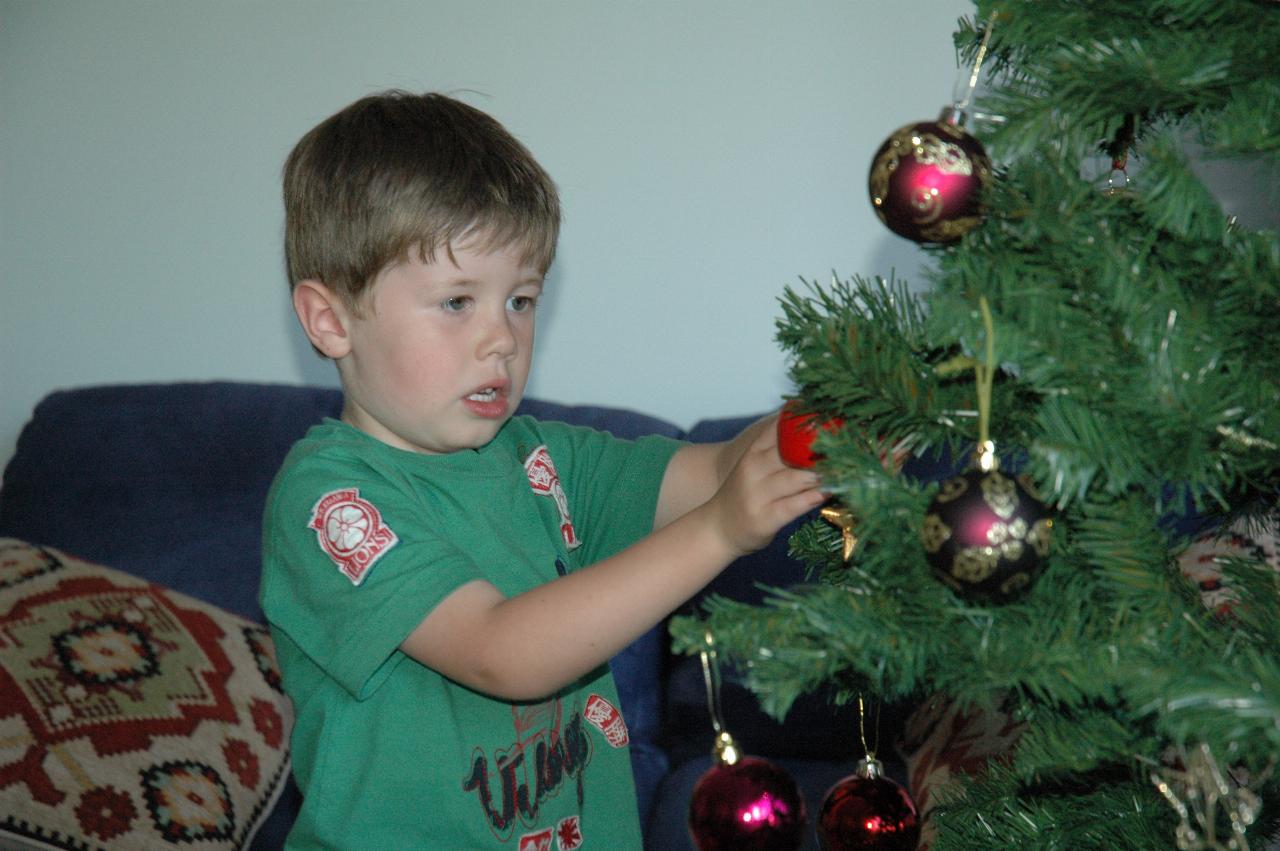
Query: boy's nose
[499,337]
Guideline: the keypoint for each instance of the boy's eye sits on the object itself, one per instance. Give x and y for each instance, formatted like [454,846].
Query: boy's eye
[522,303]
[456,304]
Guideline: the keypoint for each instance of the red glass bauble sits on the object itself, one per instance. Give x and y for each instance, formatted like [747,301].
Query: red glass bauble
[986,535]
[749,805]
[796,431]
[867,811]
[927,180]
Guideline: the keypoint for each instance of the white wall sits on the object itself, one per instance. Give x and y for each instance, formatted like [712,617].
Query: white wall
[709,152]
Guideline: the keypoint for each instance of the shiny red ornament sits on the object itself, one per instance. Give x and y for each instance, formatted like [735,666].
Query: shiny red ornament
[867,811]
[927,180]
[747,805]
[796,431]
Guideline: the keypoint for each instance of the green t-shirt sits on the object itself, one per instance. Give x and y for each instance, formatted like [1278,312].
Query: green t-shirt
[361,541]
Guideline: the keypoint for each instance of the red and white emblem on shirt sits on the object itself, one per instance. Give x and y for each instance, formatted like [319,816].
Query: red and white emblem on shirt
[539,841]
[545,482]
[569,834]
[605,717]
[351,532]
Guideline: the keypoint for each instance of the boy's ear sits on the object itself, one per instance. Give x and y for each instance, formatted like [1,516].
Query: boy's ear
[324,318]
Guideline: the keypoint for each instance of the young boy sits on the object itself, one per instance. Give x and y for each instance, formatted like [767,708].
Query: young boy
[445,582]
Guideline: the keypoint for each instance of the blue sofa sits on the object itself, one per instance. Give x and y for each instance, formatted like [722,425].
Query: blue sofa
[168,481]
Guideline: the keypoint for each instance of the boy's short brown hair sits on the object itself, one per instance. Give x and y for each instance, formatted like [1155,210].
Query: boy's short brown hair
[397,172]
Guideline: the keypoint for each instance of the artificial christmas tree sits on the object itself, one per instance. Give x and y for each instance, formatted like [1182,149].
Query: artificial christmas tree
[1136,387]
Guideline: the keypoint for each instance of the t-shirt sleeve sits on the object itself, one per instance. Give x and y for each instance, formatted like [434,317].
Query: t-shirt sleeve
[351,567]
[613,486]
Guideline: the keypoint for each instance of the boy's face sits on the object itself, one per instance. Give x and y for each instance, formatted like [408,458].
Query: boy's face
[441,357]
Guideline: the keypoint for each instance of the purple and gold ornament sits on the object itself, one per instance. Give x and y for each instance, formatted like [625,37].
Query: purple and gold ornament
[986,534]
[927,180]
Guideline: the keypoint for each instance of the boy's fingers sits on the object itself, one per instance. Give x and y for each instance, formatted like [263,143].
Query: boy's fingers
[807,501]
[792,480]
[793,492]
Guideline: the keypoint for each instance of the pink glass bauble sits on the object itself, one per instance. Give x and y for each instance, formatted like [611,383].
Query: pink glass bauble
[749,805]
[867,811]
[927,180]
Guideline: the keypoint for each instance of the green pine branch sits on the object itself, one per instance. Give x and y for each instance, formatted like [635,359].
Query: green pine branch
[1137,379]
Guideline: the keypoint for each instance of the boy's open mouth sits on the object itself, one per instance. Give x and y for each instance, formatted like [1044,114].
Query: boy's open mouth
[486,395]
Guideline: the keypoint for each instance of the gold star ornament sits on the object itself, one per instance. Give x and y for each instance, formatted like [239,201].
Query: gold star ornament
[842,518]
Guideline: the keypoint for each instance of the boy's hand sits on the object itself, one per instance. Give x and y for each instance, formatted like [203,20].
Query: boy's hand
[761,494]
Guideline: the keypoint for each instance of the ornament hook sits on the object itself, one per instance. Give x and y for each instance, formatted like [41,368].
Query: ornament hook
[870,766]
[984,373]
[725,749]
[961,103]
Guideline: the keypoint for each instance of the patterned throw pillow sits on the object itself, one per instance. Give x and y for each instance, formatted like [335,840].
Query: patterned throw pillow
[131,716]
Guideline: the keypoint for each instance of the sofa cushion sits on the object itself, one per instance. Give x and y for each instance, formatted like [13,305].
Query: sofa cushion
[165,481]
[131,716]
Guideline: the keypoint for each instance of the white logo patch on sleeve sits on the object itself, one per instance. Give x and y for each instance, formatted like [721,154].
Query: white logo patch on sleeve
[351,532]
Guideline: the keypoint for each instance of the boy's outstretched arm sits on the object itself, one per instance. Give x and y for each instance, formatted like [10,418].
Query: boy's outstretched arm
[718,502]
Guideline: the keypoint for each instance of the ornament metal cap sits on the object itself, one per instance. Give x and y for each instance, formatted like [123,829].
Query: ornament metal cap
[726,749]
[869,768]
[953,115]
[985,457]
